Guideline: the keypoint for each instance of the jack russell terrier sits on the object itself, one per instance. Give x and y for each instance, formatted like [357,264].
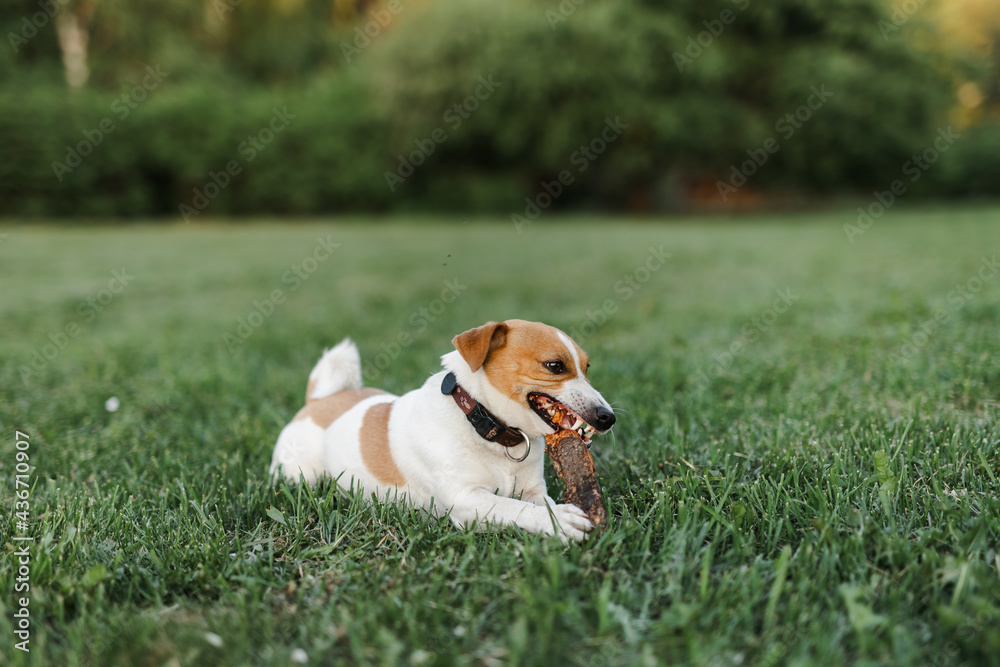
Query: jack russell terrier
[469,443]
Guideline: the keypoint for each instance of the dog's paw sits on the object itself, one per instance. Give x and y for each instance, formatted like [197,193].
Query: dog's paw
[568,522]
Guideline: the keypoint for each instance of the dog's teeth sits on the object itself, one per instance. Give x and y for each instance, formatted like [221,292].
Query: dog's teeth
[564,418]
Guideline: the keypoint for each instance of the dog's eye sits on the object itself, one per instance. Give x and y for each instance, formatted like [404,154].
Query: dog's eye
[556,367]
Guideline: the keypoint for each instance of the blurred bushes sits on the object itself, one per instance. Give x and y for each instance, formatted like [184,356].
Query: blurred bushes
[973,165]
[329,158]
[553,78]
[696,92]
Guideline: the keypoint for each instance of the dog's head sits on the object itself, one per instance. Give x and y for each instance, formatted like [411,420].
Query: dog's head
[532,376]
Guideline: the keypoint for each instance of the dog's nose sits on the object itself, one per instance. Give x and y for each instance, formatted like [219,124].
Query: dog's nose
[604,417]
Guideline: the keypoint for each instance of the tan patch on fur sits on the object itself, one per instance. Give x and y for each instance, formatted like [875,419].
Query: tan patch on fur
[518,364]
[309,391]
[324,411]
[476,344]
[375,451]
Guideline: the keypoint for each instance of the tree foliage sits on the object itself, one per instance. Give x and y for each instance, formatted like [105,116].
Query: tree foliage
[820,96]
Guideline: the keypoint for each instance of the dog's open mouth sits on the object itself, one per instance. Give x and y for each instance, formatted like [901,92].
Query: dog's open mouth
[559,417]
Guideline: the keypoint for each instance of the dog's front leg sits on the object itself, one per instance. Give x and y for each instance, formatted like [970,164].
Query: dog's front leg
[538,498]
[482,506]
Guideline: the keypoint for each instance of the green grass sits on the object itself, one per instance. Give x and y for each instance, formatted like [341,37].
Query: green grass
[826,496]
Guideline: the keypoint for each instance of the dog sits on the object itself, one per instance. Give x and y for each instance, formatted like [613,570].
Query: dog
[468,444]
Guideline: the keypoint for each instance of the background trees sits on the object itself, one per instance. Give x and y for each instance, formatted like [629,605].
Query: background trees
[702,86]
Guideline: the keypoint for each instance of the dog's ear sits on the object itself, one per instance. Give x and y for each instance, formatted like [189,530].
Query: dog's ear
[476,344]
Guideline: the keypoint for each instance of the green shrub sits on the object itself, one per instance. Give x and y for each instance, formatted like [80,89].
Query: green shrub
[693,111]
[972,166]
[329,157]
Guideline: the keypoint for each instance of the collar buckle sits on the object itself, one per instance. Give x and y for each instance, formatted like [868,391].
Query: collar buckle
[487,425]
[484,423]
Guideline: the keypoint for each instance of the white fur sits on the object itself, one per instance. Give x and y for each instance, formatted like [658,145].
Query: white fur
[339,369]
[448,467]
[572,351]
[299,449]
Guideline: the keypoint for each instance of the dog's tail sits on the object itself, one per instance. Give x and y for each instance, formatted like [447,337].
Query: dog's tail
[338,369]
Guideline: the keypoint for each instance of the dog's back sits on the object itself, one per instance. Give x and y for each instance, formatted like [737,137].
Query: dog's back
[334,389]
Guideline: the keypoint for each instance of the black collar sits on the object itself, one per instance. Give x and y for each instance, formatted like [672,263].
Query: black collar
[487,425]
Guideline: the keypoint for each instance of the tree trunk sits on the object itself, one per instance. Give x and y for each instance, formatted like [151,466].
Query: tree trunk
[71,25]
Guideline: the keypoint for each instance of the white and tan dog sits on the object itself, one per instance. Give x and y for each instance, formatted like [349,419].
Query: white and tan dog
[421,446]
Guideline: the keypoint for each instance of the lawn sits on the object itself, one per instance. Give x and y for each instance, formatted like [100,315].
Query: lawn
[804,469]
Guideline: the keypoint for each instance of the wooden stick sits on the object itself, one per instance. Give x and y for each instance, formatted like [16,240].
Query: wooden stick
[575,466]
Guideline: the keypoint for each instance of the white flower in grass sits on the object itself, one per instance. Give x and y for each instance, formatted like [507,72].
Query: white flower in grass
[112,404]
[212,638]
[299,657]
